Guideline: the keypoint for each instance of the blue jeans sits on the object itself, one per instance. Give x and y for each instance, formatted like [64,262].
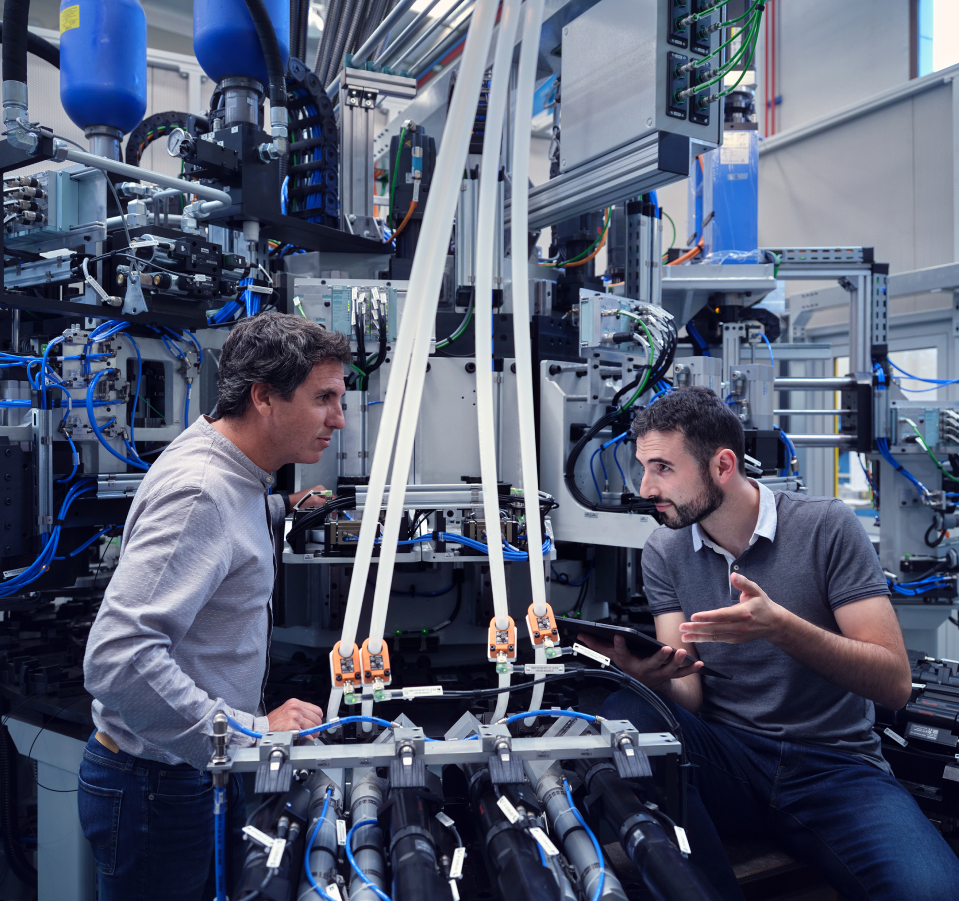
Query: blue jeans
[151,827]
[848,820]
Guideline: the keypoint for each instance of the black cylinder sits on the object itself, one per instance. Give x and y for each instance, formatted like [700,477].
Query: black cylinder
[510,853]
[9,823]
[417,875]
[667,874]
[16,13]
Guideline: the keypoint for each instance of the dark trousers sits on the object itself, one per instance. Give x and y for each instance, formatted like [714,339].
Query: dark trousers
[151,827]
[847,819]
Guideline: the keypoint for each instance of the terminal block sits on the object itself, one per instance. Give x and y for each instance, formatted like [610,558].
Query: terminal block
[677,80]
[345,671]
[376,669]
[678,29]
[502,644]
[699,103]
[543,631]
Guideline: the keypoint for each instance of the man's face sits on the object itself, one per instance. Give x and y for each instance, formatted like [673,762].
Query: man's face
[304,425]
[674,481]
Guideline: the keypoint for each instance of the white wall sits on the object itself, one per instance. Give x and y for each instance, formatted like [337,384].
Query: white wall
[830,54]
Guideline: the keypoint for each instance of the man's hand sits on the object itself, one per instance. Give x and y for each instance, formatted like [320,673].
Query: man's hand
[653,671]
[317,500]
[755,616]
[295,716]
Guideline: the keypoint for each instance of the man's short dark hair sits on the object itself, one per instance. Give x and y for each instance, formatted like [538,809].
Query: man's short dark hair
[705,422]
[276,350]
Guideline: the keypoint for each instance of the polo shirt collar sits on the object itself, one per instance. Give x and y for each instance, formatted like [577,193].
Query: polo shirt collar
[765,524]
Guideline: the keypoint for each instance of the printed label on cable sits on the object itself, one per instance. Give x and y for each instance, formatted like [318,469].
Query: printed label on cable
[589,652]
[276,854]
[508,810]
[445,819]
[456,865]
[341,832]
[544,669]
[896,738]
[454,890]
[422,691]
[10,573]
[544,841]
[681,840]
[333,891]
[258,836]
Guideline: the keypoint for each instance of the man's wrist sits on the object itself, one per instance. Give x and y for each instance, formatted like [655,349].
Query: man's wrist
[785,624]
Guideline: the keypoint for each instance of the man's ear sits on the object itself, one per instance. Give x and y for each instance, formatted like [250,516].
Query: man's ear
[724,465]
[261,398]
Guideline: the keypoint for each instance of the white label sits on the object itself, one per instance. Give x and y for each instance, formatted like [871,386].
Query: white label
[589,652]
[511,813]
[10,573]
[544,669]
[929,732]
[459,855]
[896,738]
[445,819]
[735,149]
[333,891]
[544,842]
[258,836]
[681,840]
[454,890]
[276,854]
[341,832]
[422,691]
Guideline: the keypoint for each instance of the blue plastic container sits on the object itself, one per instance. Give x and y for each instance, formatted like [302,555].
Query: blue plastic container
[103,62]
[225,41]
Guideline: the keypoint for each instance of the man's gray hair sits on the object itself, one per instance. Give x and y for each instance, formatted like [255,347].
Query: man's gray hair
[277,350]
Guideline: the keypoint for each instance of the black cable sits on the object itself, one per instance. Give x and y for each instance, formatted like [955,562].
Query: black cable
[40,48]
[16,15]
[361,361]
[271,52]
[938,541]
[316,518]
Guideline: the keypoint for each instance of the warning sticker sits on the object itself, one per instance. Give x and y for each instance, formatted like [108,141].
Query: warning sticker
[69,18]
[735,149]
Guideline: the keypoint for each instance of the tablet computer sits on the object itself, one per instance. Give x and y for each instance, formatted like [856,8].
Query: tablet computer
[638,643]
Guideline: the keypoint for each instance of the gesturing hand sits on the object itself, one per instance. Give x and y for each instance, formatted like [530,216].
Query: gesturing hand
[755,616]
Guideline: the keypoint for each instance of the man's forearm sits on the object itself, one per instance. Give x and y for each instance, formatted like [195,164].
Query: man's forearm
[683,692]
[866,669]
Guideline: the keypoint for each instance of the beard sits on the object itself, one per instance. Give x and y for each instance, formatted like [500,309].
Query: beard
[678,516]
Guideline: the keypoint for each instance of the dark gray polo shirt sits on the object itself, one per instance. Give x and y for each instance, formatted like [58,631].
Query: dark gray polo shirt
[819,558]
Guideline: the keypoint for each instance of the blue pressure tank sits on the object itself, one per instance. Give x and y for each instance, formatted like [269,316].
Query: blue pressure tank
[225,41]
[103,62]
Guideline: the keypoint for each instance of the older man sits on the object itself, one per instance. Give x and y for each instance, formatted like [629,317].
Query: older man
[184,629]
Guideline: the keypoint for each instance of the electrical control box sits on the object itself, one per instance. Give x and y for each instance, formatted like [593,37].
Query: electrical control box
[343,304]
[621,77]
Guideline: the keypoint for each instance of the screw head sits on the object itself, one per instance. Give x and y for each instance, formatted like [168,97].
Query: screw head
[649,122]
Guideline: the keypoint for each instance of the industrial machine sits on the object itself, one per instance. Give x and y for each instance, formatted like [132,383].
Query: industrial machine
[398,605]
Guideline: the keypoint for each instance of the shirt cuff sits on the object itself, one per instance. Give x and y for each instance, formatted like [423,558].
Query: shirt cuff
[261,724]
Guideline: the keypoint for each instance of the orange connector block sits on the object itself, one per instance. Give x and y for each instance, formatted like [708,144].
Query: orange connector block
[345,671]
[502,644]
[376,669]
[543,631]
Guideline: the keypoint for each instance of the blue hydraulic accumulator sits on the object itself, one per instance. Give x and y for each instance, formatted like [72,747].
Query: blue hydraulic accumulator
[103,62]
[225,40]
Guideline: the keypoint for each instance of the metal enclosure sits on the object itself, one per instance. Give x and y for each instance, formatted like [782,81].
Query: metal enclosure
[617,80]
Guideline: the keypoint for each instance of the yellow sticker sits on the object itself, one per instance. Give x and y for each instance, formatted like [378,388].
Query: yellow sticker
[69,18]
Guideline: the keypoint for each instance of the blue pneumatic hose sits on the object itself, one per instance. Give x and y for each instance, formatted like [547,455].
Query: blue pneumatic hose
[219,841]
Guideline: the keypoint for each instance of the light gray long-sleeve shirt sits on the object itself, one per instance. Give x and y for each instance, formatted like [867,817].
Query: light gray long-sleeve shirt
[184,628]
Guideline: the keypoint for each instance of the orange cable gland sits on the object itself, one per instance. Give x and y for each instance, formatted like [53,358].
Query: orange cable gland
[543,631]
[376,668]
[502,643]
[345,671]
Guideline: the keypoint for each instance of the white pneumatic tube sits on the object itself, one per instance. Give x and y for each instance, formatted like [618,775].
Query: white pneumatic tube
[405,388]
[483,304]
[519,253]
